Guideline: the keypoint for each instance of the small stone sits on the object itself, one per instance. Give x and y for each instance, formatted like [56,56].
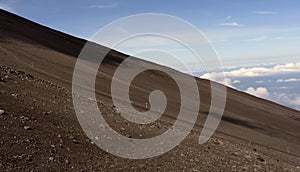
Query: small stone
[24,118]
[260,159]
[2,80]
[75,141]
[248,157]
[27,128]
[29,76]
[235,153]
[2,112]
[51,158]
[218,142]
[26,141]
[67,161]
[244,168]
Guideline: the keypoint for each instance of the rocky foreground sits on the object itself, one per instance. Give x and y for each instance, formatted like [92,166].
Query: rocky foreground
[39,132]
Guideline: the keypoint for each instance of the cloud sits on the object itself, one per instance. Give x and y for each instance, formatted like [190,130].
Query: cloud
[288,80]
[231,24]
[259,82]
[113,5]
[280,38]
[227,82]
[289,99]
[255,71]
[263,12]
[227,18]
[257,39]
[236,82]
[295,101]
[259,92]
[283,87]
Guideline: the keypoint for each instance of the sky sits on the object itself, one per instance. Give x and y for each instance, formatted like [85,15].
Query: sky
[242,32]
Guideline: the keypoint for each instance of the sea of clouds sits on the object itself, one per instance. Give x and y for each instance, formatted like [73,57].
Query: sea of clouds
[279,83]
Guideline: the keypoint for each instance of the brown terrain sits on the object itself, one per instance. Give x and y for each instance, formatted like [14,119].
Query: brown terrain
[39,130]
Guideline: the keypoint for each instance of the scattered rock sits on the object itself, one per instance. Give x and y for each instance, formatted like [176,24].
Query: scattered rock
[24,118]
[244,168]
[235,153]
[2,80]
[2,112]
[75,141]
[51,158]
[218,142]
[248,157]
[67,161]
[260,159]
[47,113]
[29,76]
[27,128]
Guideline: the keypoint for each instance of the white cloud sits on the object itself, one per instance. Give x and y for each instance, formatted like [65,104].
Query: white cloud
[232,24]
[280,38]
[288,80]
[257,39]
[236,82]
[255,71]
[259,82]
[259,92]
[283,87]
[113,5]
[227,82]
[295,101]
[263,12]
[227,18]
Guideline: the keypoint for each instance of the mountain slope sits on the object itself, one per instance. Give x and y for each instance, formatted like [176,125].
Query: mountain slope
[252,129]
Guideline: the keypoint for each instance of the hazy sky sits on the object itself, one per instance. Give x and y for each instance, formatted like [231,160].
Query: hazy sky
[243,32]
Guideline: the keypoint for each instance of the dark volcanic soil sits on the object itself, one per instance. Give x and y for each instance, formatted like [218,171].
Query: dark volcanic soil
[39,130]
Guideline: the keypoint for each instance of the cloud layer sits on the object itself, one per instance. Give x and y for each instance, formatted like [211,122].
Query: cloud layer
[288,80]
[255,71]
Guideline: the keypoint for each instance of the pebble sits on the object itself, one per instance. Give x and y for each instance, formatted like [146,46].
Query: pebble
[218,142]
[67,161]
[27,128]
[260,159]
[2,112]
[24,118]
[244,168]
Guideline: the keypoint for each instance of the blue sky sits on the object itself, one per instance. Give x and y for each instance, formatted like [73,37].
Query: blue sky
[243,32]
